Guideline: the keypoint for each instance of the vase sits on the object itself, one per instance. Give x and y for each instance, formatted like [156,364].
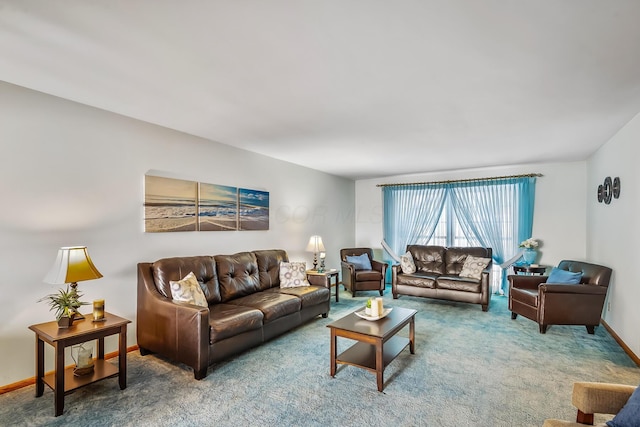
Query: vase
[529,255]
[66,321]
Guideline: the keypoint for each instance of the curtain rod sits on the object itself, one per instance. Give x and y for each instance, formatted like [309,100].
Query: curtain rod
[529,175]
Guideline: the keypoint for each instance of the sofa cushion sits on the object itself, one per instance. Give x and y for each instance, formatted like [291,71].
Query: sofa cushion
[237,275]
[188,290]
[417,279]
[273,305]
[293,274]
[428,259]
[226,320]
[309,295]
[457,283]
[474,266]
[406,263]
[269,266]
[203,267]
[360,262]
[563,276]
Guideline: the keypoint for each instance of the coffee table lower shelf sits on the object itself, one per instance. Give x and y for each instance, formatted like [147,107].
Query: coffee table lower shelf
[363,355]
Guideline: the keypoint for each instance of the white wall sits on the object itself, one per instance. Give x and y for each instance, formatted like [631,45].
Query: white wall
[73,175]
[559,217]
[613,230]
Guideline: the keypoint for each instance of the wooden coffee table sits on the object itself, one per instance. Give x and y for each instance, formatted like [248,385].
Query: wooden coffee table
[377,342]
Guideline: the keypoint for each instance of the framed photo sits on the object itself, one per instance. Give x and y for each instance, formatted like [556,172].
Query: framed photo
[217,207]
[253,209]
[169,204]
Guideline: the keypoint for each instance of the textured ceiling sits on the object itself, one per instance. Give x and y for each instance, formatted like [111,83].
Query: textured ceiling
[356,88]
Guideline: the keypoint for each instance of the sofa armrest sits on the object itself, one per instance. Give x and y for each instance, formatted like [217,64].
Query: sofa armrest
[600,398]
[176,330]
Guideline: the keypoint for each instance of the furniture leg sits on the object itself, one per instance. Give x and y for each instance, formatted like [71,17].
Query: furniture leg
[334,348]
[39,366]
[101,348]
[514,315]
[583,418]
[543,329]
[58,392]
[379,365]
[412,335]
[122,357]
[591,329]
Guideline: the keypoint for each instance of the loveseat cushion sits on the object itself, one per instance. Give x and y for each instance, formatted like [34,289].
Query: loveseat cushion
[237,274]
[417,279]
[203,267]
[457,283]
[227,320]
[273,305]
[428,259]
[309,295]
[269,266]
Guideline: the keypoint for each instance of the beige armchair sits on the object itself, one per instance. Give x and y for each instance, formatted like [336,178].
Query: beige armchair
[594,398]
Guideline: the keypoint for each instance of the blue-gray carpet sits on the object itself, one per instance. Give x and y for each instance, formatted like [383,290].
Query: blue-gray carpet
[471,368]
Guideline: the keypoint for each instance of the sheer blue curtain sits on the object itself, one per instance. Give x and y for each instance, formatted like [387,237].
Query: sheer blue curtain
[410,213]
[497,214]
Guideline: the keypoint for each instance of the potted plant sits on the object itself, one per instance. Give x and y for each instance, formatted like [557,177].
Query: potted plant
[367,310]
[66,304]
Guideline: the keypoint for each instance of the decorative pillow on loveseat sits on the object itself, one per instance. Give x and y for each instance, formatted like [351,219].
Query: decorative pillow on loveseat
[188,290]
[474,266]
[406,263]
[558,275]
[293,274]
[360,262]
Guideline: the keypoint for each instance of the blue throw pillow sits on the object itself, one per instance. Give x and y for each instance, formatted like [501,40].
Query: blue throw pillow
[563,276]
[629,415]
[360,262]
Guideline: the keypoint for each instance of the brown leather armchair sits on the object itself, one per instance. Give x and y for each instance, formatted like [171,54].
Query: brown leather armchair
[362,280]
[561,304]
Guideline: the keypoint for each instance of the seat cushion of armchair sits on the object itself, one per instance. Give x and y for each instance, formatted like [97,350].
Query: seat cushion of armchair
[227,320]
[273,305]
[526,296]
[368,275]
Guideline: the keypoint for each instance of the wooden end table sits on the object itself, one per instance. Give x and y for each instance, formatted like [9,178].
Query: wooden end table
[377,342]
[62,381]
[329,275]
[530,270]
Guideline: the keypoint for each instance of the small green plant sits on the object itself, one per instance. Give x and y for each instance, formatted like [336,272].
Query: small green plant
[369,303]
[65,302]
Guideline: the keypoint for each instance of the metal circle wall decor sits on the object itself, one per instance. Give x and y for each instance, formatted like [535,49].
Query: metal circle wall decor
[609,189]
[616,187]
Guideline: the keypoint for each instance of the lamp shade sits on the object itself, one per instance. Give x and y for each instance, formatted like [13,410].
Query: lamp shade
[315,244]
[73,264]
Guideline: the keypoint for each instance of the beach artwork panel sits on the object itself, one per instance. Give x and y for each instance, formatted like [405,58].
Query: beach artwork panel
[217,207]
[169,204]
[254,209]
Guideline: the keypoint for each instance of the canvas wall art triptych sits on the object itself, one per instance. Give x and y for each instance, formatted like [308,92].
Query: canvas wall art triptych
[179,205]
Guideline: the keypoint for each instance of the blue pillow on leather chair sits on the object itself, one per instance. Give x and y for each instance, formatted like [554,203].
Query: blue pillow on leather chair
[563,276]
[360,262]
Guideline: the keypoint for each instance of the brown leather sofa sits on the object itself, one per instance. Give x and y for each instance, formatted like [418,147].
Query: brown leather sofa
[561,304]
[437,275]
[246,306]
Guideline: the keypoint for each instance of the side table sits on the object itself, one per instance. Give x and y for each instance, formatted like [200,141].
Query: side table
[530,270]
[62,381]
[329,275]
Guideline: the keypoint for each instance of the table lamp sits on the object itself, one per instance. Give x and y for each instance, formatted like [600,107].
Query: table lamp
[73,264]
[315,245]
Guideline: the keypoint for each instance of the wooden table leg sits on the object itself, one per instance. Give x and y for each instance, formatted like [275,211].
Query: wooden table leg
[58,392]
[334,348]
[39,366]
[122,357]
[379,365]
[412,335]
[101,348]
